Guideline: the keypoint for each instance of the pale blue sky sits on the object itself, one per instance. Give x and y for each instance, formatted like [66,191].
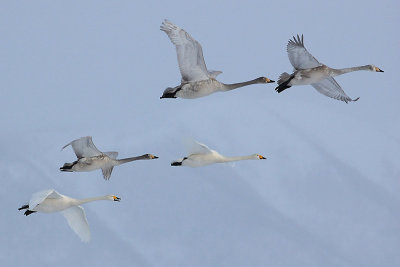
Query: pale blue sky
[326,196]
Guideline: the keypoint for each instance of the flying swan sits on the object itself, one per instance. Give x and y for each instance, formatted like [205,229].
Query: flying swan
[307,70]
[49,201]
[202,155]
[90,158]
[196,81]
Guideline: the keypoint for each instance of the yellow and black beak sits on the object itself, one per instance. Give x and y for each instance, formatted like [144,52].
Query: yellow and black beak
[269,81]
[261,157]
[378,69]
[117,198]
[153,157]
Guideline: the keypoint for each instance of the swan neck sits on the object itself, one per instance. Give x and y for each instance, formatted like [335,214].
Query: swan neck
[237,158]
[90,199]
[337,72]
[122,161]
[238,85]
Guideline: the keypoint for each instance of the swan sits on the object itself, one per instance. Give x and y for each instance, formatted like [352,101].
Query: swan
[307,70]
[202,155]
[196,81]
[50,200]
[90,158]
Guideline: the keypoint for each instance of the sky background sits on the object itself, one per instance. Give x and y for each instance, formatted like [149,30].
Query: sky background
[328,195]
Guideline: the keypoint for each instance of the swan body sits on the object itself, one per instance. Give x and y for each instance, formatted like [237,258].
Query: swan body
[203,156]
[50,201]
[90,158]
[197,81]
[309,71]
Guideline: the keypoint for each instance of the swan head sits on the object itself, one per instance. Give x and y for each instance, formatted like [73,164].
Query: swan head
[265,80]
[258,156]
[115,198]
[151,156]
[375,68]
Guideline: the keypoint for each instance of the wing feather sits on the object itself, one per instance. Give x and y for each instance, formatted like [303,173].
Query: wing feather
[299,57]
[195,147]
[76,219]
[39,197]
[331,88]
[84,147]
[190,53]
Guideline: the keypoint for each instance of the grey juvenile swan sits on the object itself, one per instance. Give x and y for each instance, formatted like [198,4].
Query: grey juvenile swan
[196,81]
[90,158]
[307,70]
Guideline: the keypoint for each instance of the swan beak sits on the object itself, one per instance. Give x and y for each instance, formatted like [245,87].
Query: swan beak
[261,157]
[153,157]
[378,69]
[117,198]
[269,81]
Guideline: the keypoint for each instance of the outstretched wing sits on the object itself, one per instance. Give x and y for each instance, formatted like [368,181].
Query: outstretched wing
[107,172]
[195,147]
[189,52]
[299,57]
[38,197]
[84,147]
[331,88]
[76,219]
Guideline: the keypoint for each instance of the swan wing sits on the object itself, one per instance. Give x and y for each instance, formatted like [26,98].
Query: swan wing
[39,197]
[84,147]
[331,88]
[76,219]
[107,172]
[112,155]
[189,52]
[195,147]
[299,57]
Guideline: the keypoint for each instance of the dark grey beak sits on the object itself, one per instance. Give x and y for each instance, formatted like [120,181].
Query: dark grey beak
[380,70]
[155,157]
[271,81]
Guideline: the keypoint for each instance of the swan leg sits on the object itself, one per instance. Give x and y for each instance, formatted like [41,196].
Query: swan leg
[283,85]
[178,163]
[29,212]
[24,207]
[171,92]
[67,167]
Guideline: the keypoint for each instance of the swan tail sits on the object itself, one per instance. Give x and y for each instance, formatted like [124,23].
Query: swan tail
[283,82]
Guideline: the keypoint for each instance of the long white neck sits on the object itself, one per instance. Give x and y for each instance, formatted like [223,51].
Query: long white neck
[230,159]
[337,72]
[90,199]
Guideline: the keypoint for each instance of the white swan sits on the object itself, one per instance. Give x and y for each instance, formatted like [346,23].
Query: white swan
[201,155]
[90,158]
[197,81]
[309,71]
[49,201]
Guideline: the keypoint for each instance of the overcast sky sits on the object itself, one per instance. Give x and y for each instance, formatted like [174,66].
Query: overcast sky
[328,195]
